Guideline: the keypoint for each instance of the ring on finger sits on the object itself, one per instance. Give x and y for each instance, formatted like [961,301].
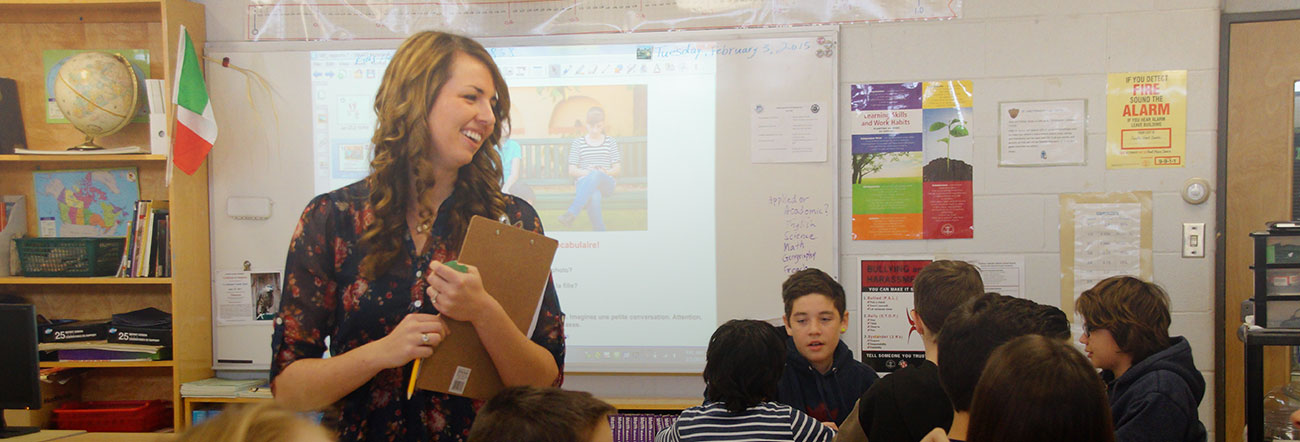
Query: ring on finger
[424,338]
[434,299]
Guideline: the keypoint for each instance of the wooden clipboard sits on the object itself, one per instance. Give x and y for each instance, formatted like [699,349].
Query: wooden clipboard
[515,265]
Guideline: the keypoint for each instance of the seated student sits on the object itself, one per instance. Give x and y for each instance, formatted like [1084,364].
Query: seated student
[742,364]
[821,377]
[905,405]
[1037,389]
[973,331]
[262,422]
[1153,385]
[542,414]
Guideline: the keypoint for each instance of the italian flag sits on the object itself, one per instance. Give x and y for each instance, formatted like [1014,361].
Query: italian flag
[196,128]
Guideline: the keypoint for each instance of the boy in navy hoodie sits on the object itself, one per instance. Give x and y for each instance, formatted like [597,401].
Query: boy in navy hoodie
[821,377]
[1153,384]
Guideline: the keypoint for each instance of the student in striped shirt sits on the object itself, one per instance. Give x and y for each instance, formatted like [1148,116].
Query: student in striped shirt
[594,161]
[742,366]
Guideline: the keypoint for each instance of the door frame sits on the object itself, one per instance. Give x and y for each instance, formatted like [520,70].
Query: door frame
[1221,206]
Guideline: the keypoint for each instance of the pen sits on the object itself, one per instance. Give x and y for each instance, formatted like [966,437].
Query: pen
[415,365]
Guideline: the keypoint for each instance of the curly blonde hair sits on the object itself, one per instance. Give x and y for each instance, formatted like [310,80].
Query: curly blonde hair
[404,150]
[262,422]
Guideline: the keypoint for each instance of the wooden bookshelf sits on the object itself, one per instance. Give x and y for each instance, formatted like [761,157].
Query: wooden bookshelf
[124,159]
[653,404]
[27,29]
[107,364]
[102,280]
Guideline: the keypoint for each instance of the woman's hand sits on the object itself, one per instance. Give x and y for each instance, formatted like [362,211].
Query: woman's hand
[413,338]
[459,295]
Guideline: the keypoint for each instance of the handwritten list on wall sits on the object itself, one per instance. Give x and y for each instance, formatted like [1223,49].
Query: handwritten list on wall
[801,216]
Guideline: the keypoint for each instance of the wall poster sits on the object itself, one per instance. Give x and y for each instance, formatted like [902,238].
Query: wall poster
[1146,119]
[912,160]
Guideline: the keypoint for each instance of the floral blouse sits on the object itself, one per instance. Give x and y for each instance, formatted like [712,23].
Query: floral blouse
[325,297]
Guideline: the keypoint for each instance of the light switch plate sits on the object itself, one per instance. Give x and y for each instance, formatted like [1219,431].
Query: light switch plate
[1193,240]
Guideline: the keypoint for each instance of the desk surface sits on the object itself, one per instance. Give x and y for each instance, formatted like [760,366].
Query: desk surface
[82,436]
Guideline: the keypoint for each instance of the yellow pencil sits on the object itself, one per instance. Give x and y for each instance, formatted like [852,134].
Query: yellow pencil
[415,371]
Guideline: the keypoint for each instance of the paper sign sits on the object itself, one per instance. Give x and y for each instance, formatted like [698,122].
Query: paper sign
[789,132]
[1146,119]
[1042,133]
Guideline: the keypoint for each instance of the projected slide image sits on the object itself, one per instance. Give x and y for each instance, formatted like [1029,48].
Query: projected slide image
[584,154]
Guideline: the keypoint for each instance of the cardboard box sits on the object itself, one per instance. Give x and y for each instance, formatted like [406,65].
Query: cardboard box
[66,387]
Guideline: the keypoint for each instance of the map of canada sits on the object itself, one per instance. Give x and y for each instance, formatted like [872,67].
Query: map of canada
[96,203]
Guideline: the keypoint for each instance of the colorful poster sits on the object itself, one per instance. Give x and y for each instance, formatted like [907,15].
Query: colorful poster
[889,338]
[912,160]
[1146,119]
[97,203]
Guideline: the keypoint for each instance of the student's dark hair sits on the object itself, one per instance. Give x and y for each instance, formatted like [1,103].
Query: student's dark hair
[538,414]
[743,364]
[1039,389]
[809,281]
[942,286]
[1135,312]
[978,327]
[1051,322]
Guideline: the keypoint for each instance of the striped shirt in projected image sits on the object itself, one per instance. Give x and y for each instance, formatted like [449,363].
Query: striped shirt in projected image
[767,421]
[604,155]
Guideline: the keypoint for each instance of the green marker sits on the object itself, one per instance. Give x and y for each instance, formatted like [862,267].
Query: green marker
[457,266]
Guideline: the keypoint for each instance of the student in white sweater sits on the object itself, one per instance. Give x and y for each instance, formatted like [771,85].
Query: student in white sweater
[743,364]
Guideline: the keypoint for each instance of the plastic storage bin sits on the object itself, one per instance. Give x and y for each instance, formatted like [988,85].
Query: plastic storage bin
[70,256]
[127,416]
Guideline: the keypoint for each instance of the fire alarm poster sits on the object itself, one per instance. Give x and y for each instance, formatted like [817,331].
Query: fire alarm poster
[912,160]
[1146,119]
[889,339]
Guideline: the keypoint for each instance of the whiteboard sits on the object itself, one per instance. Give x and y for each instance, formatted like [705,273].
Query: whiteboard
[771,218]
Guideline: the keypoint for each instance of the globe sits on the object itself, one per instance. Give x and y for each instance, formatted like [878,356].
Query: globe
[98,93]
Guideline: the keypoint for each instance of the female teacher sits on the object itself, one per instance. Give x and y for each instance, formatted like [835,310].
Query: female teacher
[364,254]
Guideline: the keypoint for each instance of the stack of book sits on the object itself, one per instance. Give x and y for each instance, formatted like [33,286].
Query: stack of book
[148,250]
[105,351]
[218,387]
[148,326]
[261,391]
[141,335]
[639,427]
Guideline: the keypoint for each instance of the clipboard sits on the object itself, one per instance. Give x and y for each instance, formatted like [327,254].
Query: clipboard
[515,265]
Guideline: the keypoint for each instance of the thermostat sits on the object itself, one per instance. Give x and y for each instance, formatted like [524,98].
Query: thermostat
[1196,190]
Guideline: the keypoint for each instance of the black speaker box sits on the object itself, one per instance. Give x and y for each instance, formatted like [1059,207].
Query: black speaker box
[12,135]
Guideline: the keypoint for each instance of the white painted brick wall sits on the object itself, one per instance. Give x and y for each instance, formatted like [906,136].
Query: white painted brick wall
[1018,50]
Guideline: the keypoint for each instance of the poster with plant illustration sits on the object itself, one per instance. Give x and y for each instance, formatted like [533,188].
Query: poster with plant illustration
[912,160]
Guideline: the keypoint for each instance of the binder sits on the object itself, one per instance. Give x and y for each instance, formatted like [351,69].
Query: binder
[515,265]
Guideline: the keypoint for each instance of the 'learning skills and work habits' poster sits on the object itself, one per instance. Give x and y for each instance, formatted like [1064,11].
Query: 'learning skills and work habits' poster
[912,160]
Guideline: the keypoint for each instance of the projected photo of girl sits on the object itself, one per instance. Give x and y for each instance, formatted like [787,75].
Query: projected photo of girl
[583,154]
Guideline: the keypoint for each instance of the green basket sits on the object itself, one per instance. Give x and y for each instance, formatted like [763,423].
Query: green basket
[70,256]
